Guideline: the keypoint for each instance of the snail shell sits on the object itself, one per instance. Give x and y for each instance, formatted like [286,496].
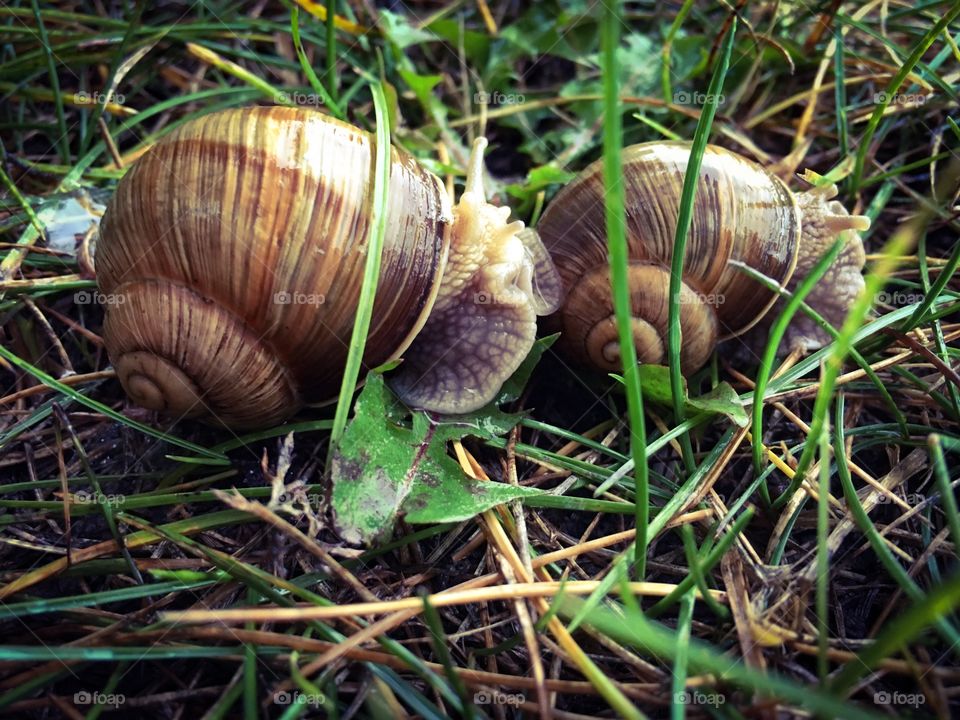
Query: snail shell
[742,214]
[235,249]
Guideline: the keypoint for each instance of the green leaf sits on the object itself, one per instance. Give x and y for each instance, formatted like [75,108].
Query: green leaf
[422,87]
[456,499]
[487,423]
[383,470]
[401,32]
[475,44]
[722,400]
[538,179]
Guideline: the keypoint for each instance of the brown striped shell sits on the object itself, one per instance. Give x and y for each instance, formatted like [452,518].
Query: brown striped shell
[743,214]
[233,255]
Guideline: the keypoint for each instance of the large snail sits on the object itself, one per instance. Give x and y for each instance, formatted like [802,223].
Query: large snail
[233,253]
[742,213]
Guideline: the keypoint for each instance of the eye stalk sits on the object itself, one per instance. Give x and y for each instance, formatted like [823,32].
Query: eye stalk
[498,278]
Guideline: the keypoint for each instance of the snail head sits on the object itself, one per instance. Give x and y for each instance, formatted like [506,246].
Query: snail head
[498,277]
[822,219]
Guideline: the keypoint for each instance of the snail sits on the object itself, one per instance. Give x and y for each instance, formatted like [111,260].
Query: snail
[742,214]
[234,252]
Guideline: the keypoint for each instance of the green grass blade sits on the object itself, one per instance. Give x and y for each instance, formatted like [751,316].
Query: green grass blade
[823,554]
[62,140]
[697,571]
[634,629]
[332,77]
[777,331]
[103,409]
[438,639]
[942,476]
[617,251]
[687,198]
[888,93]
[928,610]
[876,540]
[305,66]
[371,270]
[713,557]
[678,710]
[904,238]
[840,92]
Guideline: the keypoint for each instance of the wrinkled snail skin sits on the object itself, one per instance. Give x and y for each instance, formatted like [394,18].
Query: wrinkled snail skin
[743,215]
[235,249]
[484,319]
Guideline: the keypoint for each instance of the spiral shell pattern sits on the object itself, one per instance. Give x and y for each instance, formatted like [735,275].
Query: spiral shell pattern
[742,215]
[235,248]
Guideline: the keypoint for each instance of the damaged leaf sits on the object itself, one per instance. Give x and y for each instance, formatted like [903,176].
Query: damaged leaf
[383,470]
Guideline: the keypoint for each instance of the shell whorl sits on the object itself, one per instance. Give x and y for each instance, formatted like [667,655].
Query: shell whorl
[175,362]
[742,213]
[248,228]
[590,329]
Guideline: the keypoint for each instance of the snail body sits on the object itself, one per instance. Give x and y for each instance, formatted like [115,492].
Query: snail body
[743,215]
[235,249]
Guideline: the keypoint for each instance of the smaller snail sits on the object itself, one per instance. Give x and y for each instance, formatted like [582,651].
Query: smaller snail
[741,213]
[235,250]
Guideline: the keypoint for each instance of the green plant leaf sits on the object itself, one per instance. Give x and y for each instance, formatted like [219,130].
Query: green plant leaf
[422,87]
[539,178]
[383,470]
[722,400]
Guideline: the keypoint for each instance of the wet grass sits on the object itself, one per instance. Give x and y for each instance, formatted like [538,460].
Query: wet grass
[682,564]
